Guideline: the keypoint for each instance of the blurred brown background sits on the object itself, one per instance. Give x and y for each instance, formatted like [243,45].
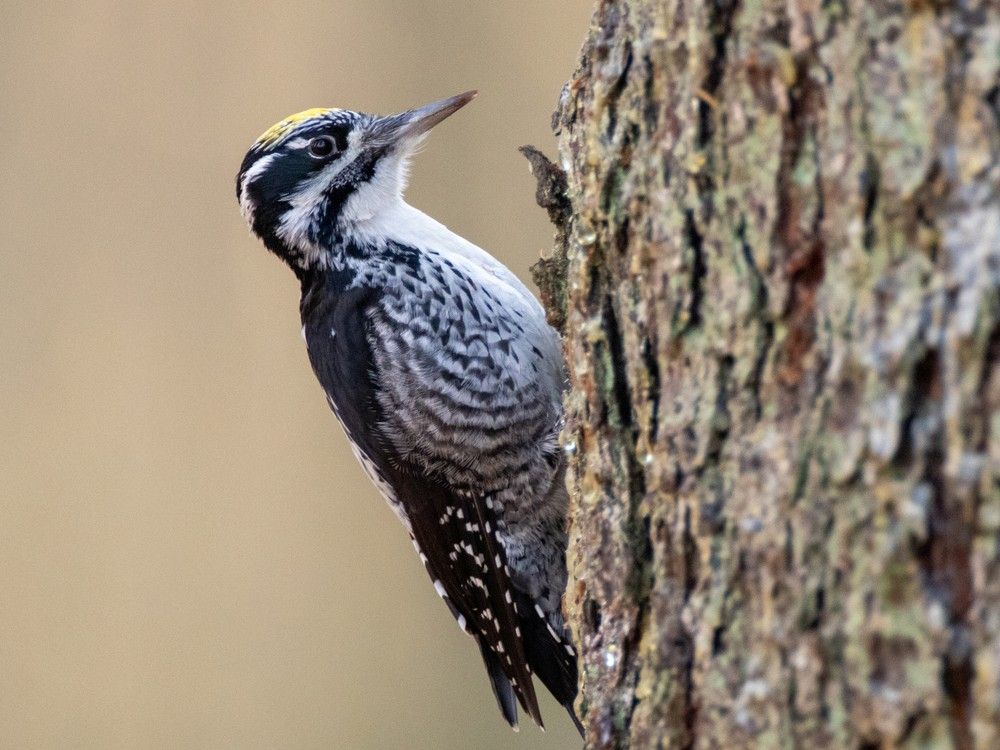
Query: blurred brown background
[189,556]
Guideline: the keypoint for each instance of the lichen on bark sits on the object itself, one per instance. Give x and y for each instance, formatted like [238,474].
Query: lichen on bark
[781,230]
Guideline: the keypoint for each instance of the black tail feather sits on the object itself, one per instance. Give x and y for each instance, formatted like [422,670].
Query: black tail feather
[502,688]
[548,657]
[576,721]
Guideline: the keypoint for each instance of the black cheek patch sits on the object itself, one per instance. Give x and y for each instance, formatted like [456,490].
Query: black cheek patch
[354,174]
[339,136]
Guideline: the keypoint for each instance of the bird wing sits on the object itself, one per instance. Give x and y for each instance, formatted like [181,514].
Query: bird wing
[454,531]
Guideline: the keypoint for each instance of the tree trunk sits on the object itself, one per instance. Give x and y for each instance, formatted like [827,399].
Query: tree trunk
[777,274]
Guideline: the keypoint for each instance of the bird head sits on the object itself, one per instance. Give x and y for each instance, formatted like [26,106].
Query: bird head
[318,174]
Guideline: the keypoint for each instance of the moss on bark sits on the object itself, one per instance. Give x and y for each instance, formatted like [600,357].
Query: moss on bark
[782,323]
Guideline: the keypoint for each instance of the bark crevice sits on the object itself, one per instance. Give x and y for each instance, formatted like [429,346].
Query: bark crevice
[777,268]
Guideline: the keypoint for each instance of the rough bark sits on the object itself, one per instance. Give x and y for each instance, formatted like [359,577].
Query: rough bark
[777,273]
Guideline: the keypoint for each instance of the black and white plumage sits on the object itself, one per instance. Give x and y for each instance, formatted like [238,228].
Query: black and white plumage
[442,370]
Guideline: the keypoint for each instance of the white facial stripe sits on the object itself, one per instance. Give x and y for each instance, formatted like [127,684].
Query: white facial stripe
[246,205]
[298,220]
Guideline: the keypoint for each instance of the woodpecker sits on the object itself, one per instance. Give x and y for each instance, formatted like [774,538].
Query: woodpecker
[442,370]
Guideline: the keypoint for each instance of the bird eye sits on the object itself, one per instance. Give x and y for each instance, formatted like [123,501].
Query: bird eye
[321,147]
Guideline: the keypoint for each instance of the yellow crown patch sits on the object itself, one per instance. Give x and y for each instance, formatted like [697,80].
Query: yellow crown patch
[277,131]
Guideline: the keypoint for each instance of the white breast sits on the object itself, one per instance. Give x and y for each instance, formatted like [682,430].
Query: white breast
[400,222]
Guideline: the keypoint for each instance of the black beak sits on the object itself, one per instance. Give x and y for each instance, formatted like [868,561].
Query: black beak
[415,122]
